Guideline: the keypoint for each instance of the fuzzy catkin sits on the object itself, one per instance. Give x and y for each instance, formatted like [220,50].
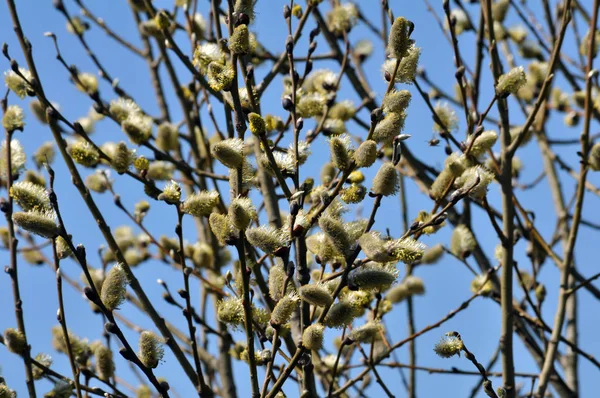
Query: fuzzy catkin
[366,154]
[105,366]
[114,287]
[386,181]
[151,350]
[316,294]
[312,338]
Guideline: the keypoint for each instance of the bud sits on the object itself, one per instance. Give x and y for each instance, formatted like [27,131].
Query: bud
[122,158]
[138,127]
[162,20]
[160,170]
[15,341]
[105,366]
[482,284]
[239,42]
[399,40]
[284,309]
[97,181]
[398,293]
[114,287]
[366,154]
[451,344]
[484,142]
[14,118]
[241,212]
[297,11]
[414,285]
[312,338]
[367,333]
[341,314]
[327,173]
[389,127]
[594,158]
[386,181]
[167,137]
[230,152]
[151,350]
[257,124]
[62,248]
[316,294]
[343,110]
[200,204]
[39,223]
[372,277]
[433,254]
[540,293]
[462,242]
[203,255]
[267,238]
[511,82]
[86,83]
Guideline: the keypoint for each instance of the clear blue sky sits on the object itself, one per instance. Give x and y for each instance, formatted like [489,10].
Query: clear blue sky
[447,283]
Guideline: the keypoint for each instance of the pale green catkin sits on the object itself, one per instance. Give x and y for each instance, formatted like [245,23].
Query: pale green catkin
[449,345]
[366,154]
[39,223]
[114,287]
[105,366]
[312,338]
[15,341]
[386,181]
[316,294]
[335,231]
[151,351]
[284,309]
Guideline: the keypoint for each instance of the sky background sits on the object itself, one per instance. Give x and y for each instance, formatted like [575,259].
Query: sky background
[447,282]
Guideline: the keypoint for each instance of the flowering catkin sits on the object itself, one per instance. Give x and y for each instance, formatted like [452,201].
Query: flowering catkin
[386,181]
[15,341]
[284,309]
[114,287]
[39,223]
[229,152]
[451,344]
[511,82]
[312,338]
[316,294]
[105,366]
[462,242]
[200,203]
[30,197]
[399,40]
[151,350]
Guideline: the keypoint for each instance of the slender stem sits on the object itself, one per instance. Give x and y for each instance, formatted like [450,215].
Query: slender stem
[12,247]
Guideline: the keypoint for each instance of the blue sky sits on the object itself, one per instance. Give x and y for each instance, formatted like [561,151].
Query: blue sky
[447,283]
